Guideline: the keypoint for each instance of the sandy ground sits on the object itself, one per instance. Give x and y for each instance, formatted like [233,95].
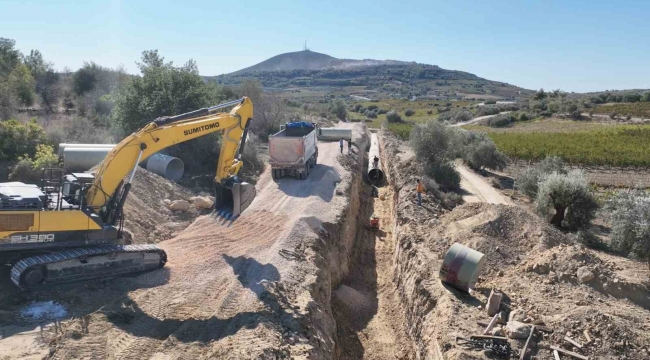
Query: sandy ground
[210,301]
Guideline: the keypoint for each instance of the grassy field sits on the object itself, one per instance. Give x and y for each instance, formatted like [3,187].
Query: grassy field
[638,109]
[421,108]
[577,142]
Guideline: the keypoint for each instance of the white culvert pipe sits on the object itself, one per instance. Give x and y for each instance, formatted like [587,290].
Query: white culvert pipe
[82,159]
[170,167]
[461,267]
[375,174]
[63,146]
[334,134]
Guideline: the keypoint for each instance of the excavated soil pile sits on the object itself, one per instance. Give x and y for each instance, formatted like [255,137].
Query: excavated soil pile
[146,215]
[598,300]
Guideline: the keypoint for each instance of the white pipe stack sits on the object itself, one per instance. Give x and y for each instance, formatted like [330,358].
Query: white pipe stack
[334,134]
[82,157]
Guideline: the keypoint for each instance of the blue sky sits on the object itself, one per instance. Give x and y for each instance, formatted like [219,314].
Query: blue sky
[575,45]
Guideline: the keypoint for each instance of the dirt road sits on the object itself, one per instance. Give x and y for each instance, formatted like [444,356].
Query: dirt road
[477,119]
[210,301]
[478,190]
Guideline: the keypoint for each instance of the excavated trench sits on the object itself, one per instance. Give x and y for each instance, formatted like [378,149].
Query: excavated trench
[365,304]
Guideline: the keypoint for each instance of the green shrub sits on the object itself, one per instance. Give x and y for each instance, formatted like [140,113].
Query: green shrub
[338,109]
[528,180]
[409,112]
[382,111]
[18,139]
[445,175]
[500,121]
[372,107]
[570,197]
[29,169]
[401,130]
[393,117]
[628,213]
[370,114]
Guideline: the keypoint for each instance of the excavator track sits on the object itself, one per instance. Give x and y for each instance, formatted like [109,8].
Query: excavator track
[86,263]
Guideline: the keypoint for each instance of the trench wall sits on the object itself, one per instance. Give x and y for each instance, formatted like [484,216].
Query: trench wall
[333,251]
[415,268]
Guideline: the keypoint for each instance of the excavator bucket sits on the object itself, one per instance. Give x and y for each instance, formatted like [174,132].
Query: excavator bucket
[233,196]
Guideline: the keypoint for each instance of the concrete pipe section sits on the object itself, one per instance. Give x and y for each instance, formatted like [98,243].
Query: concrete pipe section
[82,159]
[462,267]
[375,174]
[167,166]
[334,134]
[64,146]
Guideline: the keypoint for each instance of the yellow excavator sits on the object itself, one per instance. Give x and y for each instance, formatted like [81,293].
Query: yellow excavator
[70,228]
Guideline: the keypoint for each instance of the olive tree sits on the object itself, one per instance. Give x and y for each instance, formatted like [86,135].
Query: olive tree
[628,213]
[528,180]
[570,197]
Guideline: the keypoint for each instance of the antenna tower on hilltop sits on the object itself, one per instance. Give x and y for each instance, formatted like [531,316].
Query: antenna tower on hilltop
[305,48]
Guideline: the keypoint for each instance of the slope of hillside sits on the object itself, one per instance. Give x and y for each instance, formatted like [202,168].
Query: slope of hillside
[308,69]
[299,60]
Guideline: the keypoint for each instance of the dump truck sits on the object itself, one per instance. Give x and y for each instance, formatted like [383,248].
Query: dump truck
[293,150]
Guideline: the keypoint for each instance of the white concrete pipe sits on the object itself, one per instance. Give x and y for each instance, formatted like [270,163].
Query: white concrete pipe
[375,174]
[82,159]
[462,267]
[63,146]
[334,134]
[167,166]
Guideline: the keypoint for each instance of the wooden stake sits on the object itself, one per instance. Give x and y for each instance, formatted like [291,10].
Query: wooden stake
[573,342]
[570,353]
[530,336]
[491,324]
[586,333]
[556,355]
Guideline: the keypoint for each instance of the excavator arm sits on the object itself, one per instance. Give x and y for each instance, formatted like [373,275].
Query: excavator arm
[113,179]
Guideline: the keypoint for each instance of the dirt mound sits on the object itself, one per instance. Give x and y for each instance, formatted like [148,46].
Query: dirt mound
[599,300]
[505,234]
[146,215]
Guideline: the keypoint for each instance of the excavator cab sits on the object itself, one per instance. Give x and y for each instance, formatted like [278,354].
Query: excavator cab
[232,196]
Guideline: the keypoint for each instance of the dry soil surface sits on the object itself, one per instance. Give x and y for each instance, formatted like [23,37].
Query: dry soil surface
[237,290]
[601,301]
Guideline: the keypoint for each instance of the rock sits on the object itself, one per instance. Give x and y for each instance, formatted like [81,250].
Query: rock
[585,275]
[498,331]
[202,202]
[518,315]
[517,330]
[179,205]
[167,202]
[541,269]
[494,302]
[528,319]
[212,198]
[193,198]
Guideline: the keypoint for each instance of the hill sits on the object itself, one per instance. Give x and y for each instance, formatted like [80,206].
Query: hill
[299,60]
[373,78]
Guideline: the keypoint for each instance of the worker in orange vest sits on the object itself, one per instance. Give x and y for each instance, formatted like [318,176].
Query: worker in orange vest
[420,190]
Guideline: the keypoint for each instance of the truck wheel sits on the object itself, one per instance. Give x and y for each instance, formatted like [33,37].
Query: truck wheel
[312,163]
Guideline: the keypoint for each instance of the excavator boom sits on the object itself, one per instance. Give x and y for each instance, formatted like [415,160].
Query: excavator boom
[71,227]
